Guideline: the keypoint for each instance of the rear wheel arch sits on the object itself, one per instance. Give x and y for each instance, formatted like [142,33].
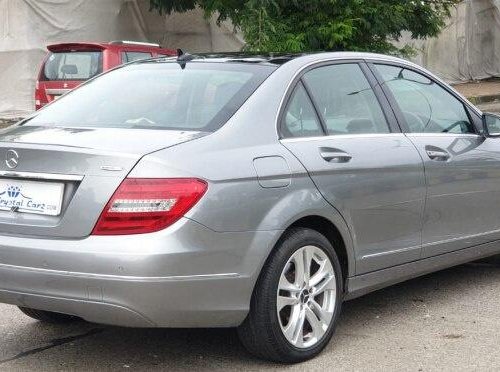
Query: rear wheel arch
[328,229]
[336,234]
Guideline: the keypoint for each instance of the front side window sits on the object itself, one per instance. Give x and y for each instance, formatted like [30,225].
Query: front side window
[198,96]
[425,105]
[300,119]
[72,65]
[346,100]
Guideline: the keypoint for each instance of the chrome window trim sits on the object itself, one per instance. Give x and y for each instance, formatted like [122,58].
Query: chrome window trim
[341,136]
[442,134]
[293,80]
[377,135]
[346,59]
[418,69]
[41,176]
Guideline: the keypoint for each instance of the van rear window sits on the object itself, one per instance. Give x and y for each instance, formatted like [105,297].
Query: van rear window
[77,65]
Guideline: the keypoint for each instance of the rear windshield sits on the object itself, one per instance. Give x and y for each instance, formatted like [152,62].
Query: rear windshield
[199,96]
[72,65]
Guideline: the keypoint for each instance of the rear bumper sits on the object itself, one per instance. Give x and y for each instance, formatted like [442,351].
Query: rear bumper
[184,276]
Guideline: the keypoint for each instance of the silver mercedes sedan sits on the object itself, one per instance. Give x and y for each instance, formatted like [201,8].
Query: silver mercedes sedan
[257,192]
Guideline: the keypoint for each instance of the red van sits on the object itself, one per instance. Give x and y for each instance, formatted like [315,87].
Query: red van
[68,65]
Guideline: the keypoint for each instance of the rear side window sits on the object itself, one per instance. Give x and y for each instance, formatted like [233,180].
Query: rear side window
[425,105]
[134,56]
[198,96]
[346,100]
[72,65]
[300,119]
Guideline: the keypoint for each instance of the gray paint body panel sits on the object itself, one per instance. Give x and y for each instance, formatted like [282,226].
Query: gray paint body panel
[363,284]
[463,192]
[210,260]
[380,192]
[272,171]
[76,152]
[148,280]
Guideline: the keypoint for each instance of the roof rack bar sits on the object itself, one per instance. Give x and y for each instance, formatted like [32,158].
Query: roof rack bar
[134,43]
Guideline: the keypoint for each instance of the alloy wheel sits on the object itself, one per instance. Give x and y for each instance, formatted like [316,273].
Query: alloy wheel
[306,296]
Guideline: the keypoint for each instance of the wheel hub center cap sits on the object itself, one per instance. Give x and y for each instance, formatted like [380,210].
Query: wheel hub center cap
[304,296]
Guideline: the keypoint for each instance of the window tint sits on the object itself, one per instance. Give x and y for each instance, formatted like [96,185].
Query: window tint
[346,100]
[426,106]
[300,119]
[134,56]
[72,65]
[197,96]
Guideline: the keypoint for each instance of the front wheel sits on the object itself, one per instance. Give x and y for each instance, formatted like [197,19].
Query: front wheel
[297,300]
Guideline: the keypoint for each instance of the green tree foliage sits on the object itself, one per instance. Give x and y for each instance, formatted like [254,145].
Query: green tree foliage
[312,25]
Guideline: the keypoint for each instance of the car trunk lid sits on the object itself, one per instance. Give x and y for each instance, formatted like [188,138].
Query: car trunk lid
[89,163]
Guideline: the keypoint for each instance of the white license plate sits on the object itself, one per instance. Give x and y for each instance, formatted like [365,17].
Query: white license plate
[31,196]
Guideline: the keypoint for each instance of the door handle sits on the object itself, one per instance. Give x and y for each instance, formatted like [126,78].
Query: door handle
[435,154]
[335,156]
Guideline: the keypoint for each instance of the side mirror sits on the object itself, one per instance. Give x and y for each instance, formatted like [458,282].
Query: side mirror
[491,125]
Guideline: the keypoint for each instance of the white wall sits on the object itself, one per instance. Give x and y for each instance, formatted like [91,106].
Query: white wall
[27,26]
[469,47]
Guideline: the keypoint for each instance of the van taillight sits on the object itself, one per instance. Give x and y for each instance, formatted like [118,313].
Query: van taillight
[38,96]
[145,205]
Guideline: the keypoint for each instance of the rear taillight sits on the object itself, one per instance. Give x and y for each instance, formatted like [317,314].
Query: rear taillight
[144,205]
[38,96]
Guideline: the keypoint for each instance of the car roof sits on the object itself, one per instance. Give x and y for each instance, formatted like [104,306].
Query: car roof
[282,58]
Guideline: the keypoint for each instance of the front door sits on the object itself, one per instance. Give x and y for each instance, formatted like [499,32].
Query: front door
[462,167]
[362,164]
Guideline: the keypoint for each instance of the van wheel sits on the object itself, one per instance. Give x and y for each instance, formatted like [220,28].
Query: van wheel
[48,316]
[296,302]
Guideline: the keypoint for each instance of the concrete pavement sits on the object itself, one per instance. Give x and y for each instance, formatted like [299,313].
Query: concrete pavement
[480,91]
[485,94]
[441,322]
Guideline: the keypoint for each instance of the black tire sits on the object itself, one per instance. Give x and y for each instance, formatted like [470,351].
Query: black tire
[261,333]
[48,316]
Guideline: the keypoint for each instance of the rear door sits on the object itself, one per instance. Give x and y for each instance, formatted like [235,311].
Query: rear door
[462,167]
[335,124]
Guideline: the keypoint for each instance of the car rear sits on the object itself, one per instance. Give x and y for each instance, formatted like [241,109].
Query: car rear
[65,67]
[82,235]
[68,65]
